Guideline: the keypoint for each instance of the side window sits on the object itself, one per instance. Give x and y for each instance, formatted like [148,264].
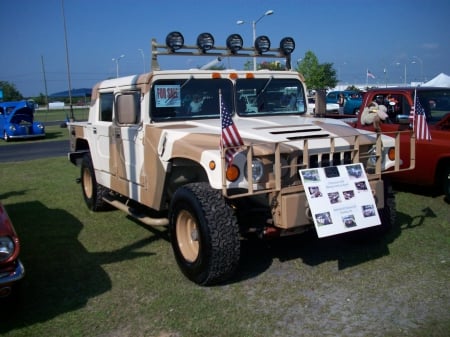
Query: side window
[106,107]
[128,108]
[397,107]
[332,97]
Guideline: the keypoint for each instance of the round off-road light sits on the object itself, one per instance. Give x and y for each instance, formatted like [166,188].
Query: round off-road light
[205,41]
[262,44]
[287,45]
[174,41]
[234,43]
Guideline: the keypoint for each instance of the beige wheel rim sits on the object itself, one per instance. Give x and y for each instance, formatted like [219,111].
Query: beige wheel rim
[87,183]
[187,236]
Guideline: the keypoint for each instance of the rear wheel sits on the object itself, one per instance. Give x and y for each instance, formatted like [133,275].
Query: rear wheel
[93,192]
[204,234]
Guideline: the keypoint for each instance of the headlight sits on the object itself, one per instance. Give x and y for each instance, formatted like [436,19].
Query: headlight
[257,170]
[372,156]
[40,126]
[6,247]
[12,128]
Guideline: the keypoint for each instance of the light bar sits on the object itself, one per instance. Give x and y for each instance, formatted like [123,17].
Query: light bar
[205,42]
[234,43]
[262,44]
[174,41]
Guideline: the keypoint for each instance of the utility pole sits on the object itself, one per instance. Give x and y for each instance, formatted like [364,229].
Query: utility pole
[45,83]
[72,118]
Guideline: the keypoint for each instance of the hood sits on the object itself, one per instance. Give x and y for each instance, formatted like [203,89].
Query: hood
[196,136]
[21,115]
[17,112]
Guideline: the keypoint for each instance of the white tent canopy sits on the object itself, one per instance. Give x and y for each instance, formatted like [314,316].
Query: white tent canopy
[441,80]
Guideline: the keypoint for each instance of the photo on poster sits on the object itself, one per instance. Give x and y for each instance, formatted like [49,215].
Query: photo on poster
[331,172]
[334,197]
[354,171]
[348,194]
[368,210]
[311,175]
[324,219]
[361,186]
[349,221]
[315,192]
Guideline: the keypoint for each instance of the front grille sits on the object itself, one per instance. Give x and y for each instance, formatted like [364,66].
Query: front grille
[328,159]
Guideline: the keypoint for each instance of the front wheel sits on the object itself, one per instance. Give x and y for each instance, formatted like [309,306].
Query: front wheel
[93,192]
[204,234]
[388,214]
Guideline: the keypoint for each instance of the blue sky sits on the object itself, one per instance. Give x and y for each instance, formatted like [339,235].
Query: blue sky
[354,35]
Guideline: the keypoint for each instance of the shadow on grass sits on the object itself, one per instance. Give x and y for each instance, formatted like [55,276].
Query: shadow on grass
[348,249]
[61,275]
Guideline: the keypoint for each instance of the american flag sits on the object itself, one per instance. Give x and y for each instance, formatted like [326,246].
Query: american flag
[420,121]
[369,74]
[230,135]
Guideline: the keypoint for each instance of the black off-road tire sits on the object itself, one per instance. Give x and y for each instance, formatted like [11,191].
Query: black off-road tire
[204,234]
[388,214]
[388,218]
[93,192]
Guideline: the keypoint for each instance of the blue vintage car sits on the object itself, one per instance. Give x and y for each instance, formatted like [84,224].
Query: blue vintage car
[17,121]
[353,100]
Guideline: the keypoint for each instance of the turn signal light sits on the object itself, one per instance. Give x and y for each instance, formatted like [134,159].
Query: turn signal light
[232,173]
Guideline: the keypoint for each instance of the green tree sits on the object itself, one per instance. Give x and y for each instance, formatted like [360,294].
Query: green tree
[10,93]
[318,77]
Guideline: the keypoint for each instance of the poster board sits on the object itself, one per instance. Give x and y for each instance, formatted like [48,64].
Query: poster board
[340,199]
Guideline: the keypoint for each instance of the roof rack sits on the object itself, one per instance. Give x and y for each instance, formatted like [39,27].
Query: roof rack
[234,48]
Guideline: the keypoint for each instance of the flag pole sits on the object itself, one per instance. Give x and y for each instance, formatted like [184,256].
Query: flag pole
[367,77]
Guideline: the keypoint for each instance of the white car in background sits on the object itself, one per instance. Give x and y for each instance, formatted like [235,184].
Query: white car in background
[331,107]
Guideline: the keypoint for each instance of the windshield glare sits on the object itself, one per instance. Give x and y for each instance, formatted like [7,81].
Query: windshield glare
[436,104]
[269,96]
[183,99]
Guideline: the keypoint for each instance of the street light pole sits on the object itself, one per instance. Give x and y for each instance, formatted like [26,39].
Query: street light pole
[143,57]
[117,63]
[404,78]
[421,67]
[240,22]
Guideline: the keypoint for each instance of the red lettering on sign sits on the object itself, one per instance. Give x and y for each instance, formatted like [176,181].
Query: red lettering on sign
[161,92]
[172,93]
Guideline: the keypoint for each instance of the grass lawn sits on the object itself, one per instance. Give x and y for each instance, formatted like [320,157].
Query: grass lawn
[102,274]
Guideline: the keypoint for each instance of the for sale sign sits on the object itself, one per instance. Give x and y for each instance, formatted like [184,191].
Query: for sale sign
[340,199]
[167,96]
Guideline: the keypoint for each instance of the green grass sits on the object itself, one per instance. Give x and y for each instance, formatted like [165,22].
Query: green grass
[102,274]
[50,115]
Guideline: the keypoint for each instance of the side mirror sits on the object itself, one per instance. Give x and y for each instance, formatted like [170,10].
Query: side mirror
[127,108]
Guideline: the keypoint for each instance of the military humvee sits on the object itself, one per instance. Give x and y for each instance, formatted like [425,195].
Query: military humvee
[186,149]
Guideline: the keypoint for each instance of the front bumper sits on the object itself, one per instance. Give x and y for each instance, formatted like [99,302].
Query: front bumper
[9,277]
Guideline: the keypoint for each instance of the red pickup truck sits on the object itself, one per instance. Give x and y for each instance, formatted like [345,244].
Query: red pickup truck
[426,111]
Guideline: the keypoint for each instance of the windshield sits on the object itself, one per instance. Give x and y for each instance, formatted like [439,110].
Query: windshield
[181,99]
[269,96]
[436,104]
